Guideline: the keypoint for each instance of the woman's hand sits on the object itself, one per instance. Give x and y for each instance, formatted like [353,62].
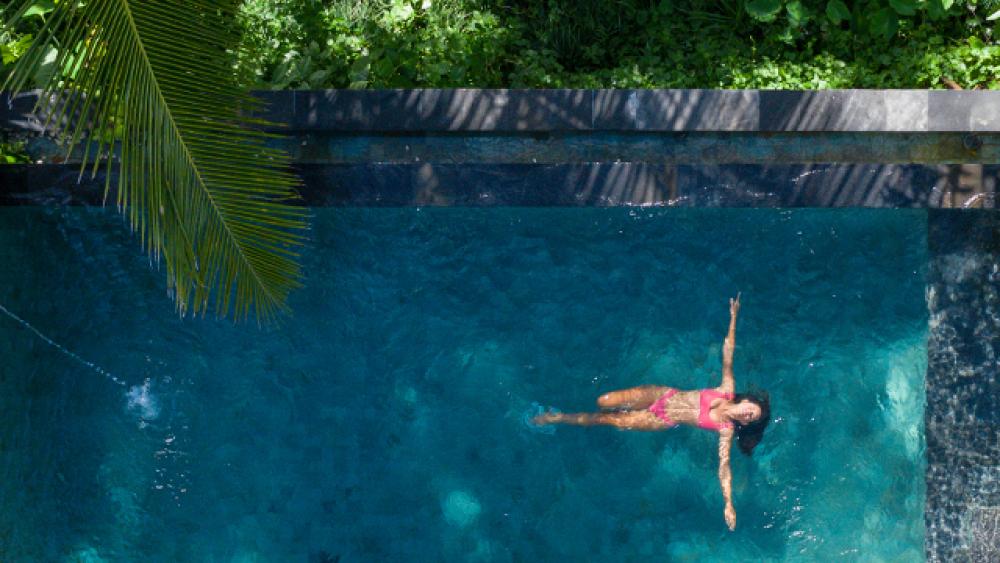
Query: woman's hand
[730,516]
[734,305]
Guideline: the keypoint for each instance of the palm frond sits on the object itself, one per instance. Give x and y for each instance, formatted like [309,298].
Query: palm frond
[195,178]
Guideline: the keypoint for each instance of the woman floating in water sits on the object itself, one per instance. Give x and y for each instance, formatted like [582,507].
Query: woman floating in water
[655,407]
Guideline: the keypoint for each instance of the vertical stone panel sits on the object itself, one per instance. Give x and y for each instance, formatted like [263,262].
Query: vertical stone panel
[963,386]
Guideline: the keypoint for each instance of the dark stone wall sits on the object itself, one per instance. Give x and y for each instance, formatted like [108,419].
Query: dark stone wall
[637,110]
[963,387]
[577,184]
[870,148]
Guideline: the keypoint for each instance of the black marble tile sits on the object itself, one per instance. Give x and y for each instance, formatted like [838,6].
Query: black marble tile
[813,111]
[809,185]
[372,185]
[357,110]
[52,184]
[576,184]
[676,110]
[278,107]
[962,415]
[506,110]
[593,184]
[843,110]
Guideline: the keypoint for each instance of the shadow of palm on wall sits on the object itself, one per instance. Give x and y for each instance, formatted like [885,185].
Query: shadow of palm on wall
[630,147]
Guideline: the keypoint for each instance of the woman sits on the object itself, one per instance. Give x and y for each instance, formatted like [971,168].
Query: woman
[654,407]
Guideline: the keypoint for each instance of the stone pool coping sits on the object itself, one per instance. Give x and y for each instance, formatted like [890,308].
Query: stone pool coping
[514,110]
[666,110]
[483,147]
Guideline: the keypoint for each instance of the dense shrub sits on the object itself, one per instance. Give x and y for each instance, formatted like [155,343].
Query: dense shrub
[623,43]
[610,43]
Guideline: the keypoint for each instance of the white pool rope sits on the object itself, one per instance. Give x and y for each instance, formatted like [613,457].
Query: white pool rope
[62,348]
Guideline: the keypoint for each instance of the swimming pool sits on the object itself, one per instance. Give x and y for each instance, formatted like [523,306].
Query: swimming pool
[386,419]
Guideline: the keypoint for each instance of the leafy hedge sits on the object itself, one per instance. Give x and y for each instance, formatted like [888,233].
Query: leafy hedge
[798,44]
[625,43]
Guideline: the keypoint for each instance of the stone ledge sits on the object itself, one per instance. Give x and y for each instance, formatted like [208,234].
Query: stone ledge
[651,147]
[526,111]
[583,184]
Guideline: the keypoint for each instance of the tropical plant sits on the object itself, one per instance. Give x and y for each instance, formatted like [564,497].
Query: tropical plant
[621,43]
[147,86]
[876,18]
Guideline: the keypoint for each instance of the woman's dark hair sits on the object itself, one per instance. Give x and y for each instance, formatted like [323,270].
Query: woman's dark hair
[748,436]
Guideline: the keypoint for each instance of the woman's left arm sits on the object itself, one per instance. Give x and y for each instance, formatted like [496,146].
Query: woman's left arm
[726,477]
[729,346]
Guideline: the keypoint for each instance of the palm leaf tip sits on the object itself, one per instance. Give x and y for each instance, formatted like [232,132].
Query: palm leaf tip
[194,175]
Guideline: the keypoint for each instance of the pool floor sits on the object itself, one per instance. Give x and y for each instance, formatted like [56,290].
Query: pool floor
[387,418]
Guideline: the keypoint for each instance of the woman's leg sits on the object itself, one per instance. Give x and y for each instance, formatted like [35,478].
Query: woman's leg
[634,398]
[624,420]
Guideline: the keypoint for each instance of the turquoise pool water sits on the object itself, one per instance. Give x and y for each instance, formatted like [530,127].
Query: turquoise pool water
[385,421]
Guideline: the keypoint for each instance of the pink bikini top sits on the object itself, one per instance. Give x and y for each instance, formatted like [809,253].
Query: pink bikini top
[706,396]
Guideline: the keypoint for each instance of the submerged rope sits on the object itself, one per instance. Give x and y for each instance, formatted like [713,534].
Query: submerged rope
[62,348]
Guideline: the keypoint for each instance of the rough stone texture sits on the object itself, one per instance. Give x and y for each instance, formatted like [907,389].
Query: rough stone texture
[506,110]
[418,110]
[356,110]
[844,110]
[906,110]
[813,185]
[963,387]
[977,110]
[677,110]
[431,110]
[646,110]
[839,185]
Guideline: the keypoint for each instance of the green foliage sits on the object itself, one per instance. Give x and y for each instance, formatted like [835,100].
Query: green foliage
[763,10]
[195,177]
[623,43]
[798,14]
[883,24]
[390,43]
[601,43]
[837,11]
[13,152]
[905,7]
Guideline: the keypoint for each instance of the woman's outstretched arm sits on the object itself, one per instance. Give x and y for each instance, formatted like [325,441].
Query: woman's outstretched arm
[726,477]
[729,346]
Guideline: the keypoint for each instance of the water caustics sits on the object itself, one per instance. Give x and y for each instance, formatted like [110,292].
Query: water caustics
[387,420]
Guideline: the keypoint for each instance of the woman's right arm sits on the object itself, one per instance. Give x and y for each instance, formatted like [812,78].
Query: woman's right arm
[726,477]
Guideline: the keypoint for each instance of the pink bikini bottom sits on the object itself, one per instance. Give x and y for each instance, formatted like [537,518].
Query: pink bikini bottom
[658,408]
